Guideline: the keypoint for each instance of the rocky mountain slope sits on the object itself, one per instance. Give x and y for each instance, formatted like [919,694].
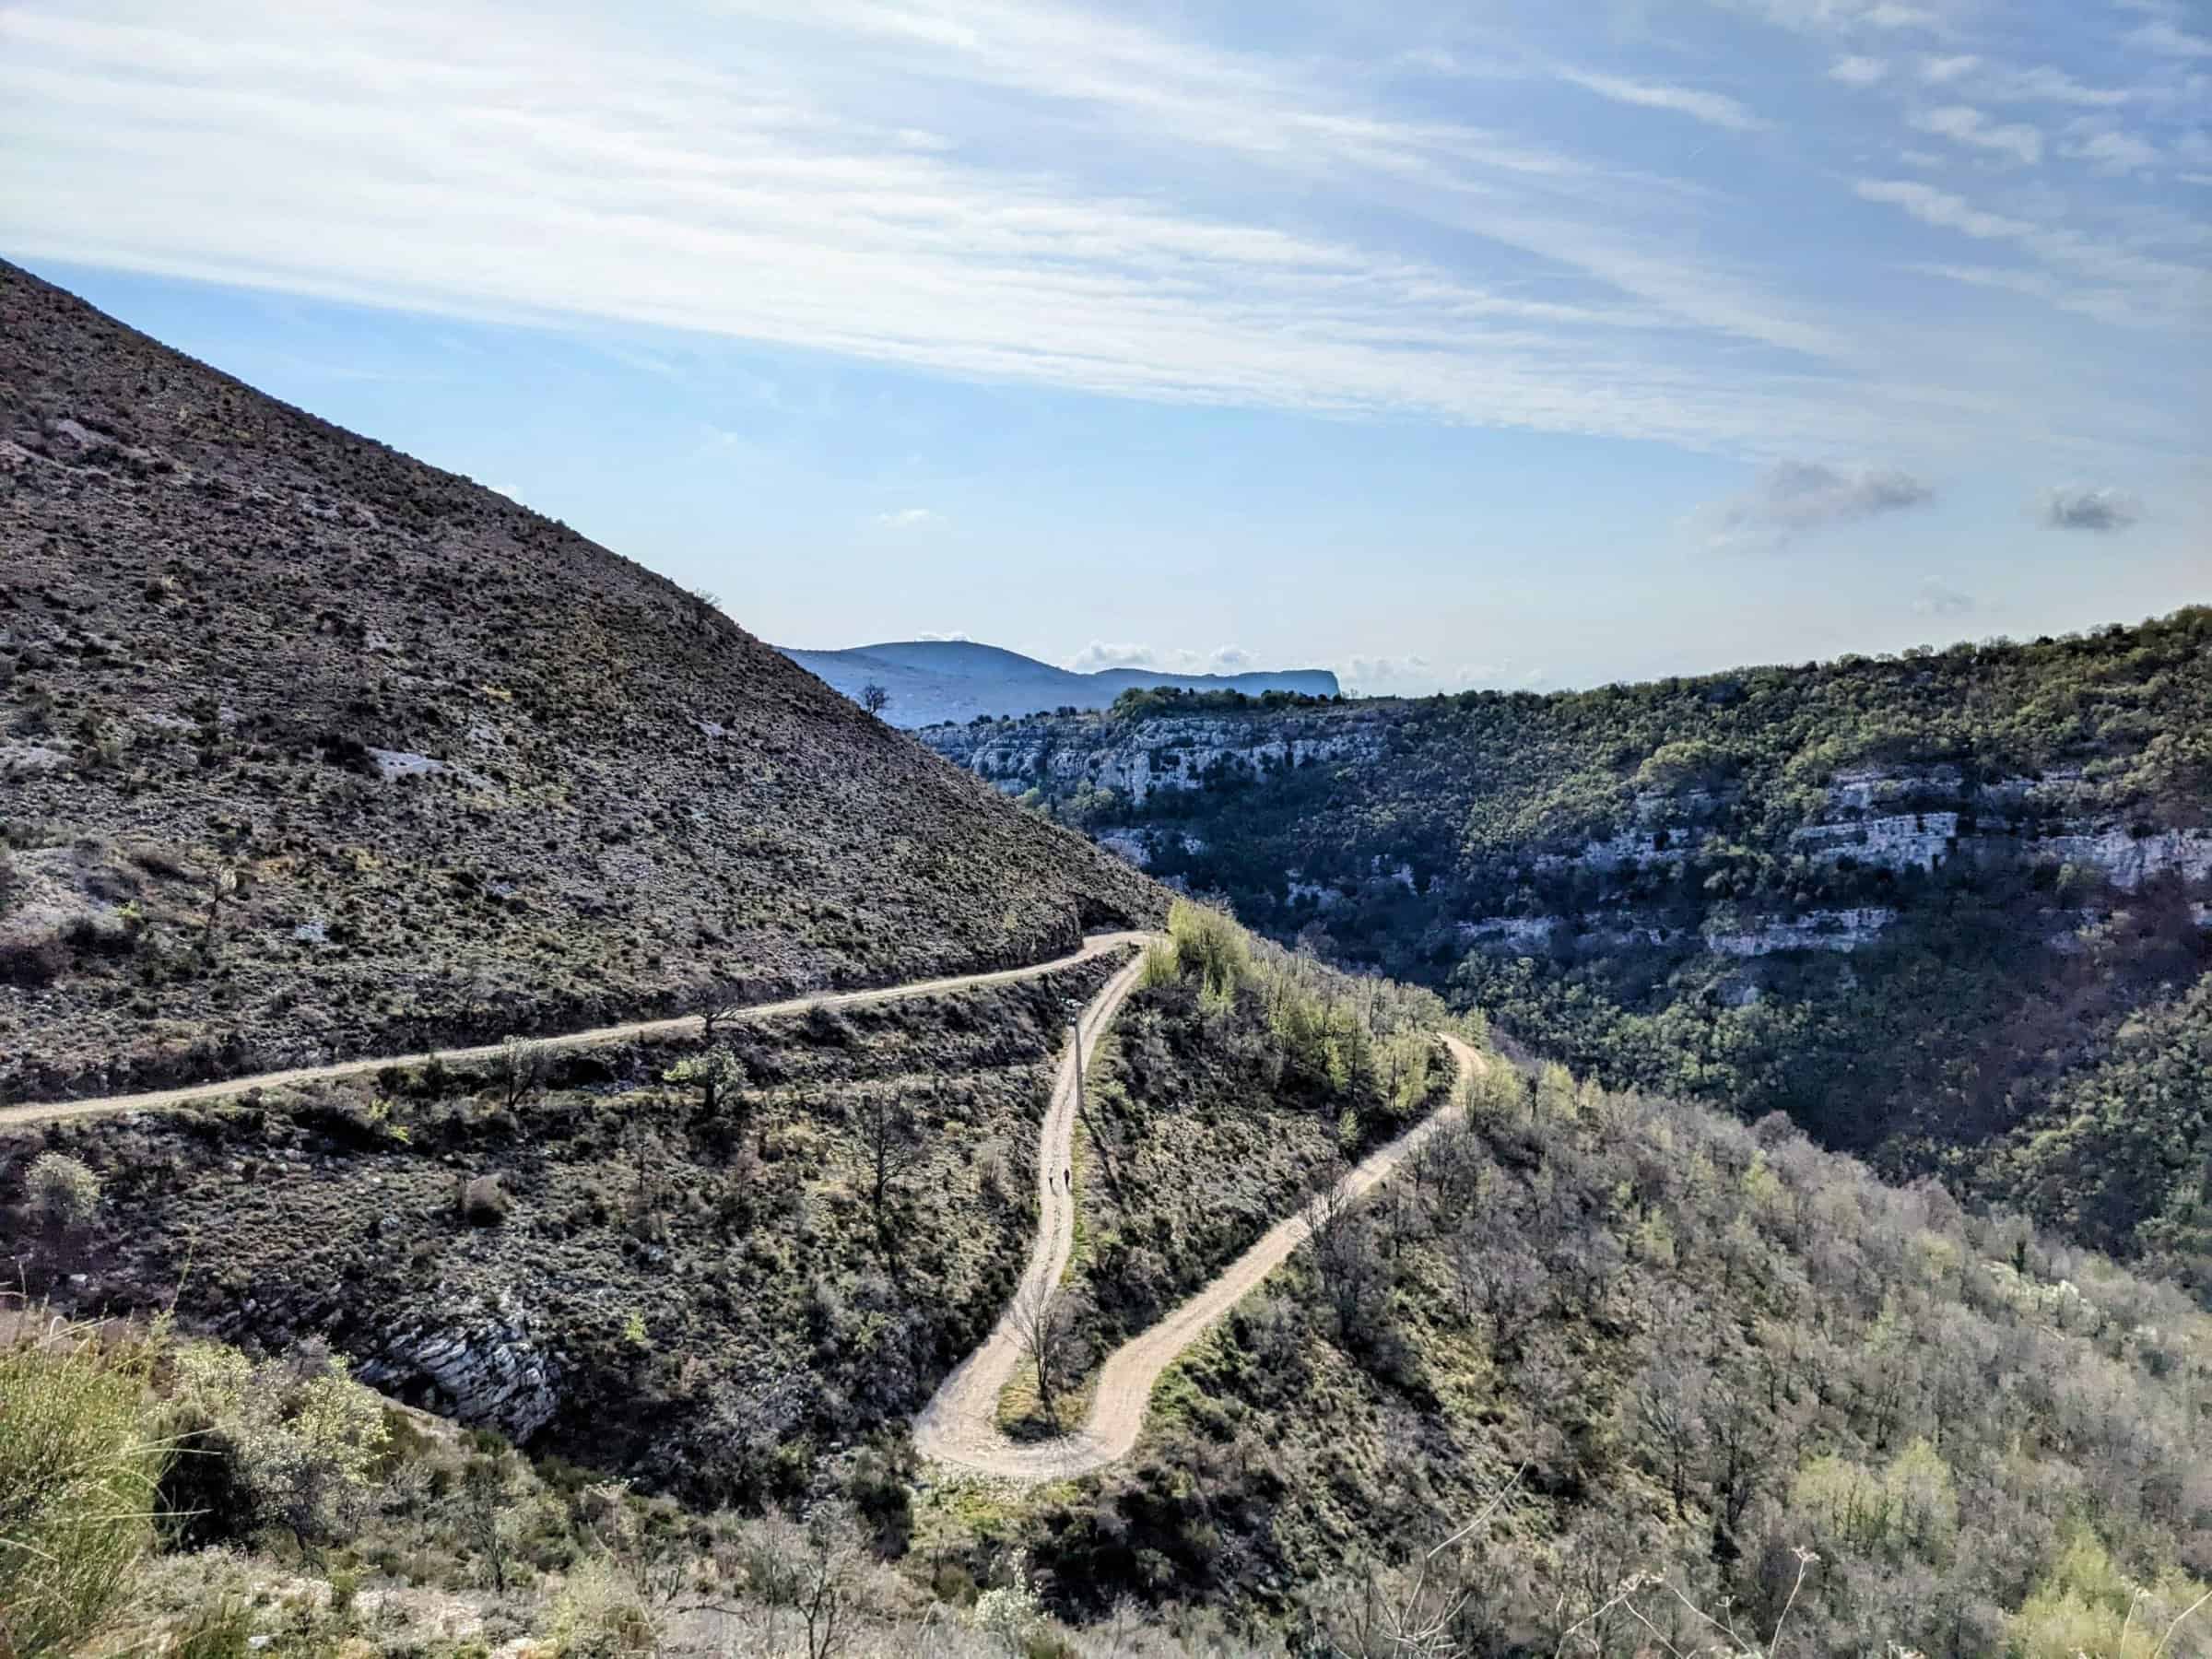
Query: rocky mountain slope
[1586,1344]
[1912,901]
[307,749]
[929,681]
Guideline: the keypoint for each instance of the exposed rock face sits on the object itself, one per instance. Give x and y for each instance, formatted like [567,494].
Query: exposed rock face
[1910,840]
[1172,753]
[1840,930]
[484,1371]
[2127,860]
[1877,821]
[1122,844]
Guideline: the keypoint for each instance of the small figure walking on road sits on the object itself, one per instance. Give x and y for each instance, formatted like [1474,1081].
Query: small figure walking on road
[1071,1181]
[1049,1179]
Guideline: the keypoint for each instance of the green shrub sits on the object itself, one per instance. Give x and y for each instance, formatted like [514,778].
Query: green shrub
[1208,946]
[1160,967]
[303,1441]
[222,1632]
[80,1466]
[62,1188]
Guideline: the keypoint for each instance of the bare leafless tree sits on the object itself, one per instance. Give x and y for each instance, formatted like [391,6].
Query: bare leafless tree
[717,1003]
[890,1141]
[225,888]
[875,699]
[1744,1445]
[1413,1612]
[1497,1279]
[827,1563]
[1345,1257]
[1668,1399]
[1045,1319]
[521,1069]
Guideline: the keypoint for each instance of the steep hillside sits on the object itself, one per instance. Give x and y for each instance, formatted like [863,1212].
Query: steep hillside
[1909,900]
[929,681]
[690,1276]
[308,749]
[1606,1369]
[1591,1360]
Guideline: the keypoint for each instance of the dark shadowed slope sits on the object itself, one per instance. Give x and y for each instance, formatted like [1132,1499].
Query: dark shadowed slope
[306,748]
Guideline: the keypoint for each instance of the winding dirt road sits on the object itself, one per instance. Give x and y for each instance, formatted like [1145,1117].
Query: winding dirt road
[41,1111]
[959,1427]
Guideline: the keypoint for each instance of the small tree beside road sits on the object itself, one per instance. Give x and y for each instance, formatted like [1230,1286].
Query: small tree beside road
[1044,1319]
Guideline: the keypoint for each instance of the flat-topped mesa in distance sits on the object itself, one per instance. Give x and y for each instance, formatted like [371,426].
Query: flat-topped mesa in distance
[930,682]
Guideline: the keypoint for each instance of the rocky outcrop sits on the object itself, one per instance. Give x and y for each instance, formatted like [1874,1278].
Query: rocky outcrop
[1136,758]
[1838,930]
[1917,840]
[486,1371]
[2128,860]
[1861,827]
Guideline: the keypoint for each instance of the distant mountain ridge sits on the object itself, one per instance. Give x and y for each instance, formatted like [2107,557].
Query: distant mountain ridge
[934,681]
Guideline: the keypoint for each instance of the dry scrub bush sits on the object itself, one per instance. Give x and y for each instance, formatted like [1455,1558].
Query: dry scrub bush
[62,1189]
[301,1439]
[79,1464]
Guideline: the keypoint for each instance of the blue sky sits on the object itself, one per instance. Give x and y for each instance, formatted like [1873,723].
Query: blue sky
[1497,344]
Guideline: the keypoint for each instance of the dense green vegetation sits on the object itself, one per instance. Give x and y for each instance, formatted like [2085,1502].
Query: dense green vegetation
[2117,1156]
[1562,861]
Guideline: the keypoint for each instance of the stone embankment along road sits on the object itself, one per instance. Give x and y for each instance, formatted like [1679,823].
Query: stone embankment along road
[159,1099]
[958,1427]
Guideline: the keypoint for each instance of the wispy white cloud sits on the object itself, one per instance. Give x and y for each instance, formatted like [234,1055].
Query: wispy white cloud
[1099,654]
[1854,71]
[1417,675]
[1712,108]
[1794,498]
[909,518]
[1180,222]
[1223,659]
[2095,276]
[1840,16]
[539,176]
[1964,124]
[1937,597]
[2047,84]
[1941,71]
[1887,14]
[2075,508]
[2112,151]
[2163,36]
[1933,206]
